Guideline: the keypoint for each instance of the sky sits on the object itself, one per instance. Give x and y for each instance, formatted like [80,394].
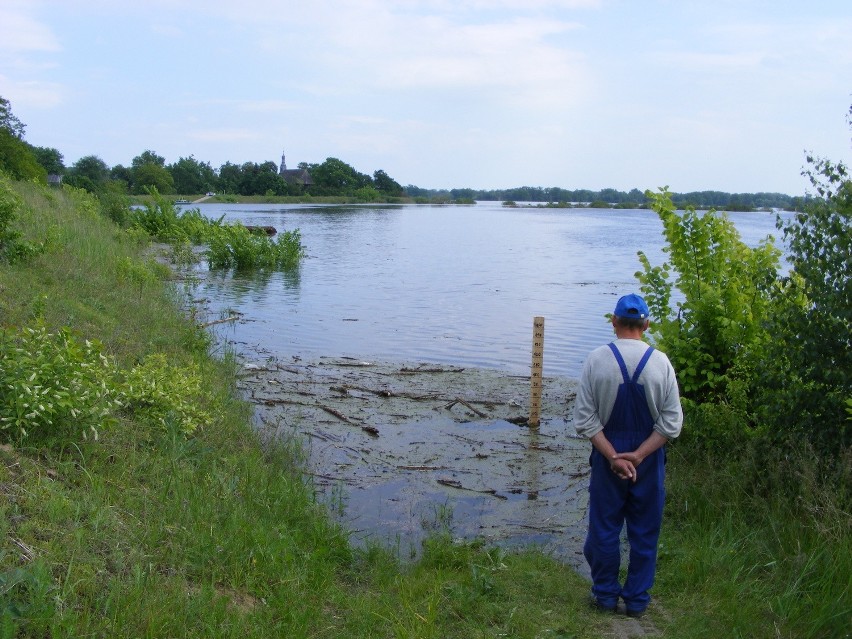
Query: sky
[724,95]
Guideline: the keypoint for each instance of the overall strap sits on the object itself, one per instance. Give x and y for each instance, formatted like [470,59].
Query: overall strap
[623,366]
[642,363]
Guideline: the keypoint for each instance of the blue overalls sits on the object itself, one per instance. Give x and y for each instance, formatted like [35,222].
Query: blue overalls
[612,501]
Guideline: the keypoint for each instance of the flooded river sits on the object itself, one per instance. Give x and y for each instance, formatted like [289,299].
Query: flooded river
[399,355]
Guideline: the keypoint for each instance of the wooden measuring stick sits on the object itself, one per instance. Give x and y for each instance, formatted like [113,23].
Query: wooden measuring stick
[535,371]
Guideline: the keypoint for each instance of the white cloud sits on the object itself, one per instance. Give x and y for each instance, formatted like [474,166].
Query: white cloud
[20,32]
[35,94]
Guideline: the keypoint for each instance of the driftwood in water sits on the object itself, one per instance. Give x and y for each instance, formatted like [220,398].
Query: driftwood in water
[459,400]
[453,483]
[383,392]
[411,371]
[370,430]
[233,318]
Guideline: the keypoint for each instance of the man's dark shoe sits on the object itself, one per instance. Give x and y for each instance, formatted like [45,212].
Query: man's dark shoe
[636,614]
[599,605]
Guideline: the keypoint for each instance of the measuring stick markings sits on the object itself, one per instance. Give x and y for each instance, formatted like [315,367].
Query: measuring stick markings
[536,371]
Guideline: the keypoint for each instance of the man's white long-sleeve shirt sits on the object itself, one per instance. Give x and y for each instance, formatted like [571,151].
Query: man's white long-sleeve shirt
[601,377]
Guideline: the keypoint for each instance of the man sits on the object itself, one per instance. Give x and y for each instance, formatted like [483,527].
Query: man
[628,406]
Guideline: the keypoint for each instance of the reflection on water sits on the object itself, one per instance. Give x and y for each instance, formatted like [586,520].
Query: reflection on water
[456,285]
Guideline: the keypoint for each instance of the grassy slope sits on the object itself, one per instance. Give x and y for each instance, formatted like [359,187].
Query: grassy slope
[145,533]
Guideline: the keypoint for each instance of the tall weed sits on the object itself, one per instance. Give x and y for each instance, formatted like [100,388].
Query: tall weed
[164,394]
[234,246]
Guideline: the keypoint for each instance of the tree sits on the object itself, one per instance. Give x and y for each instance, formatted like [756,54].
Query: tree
[335,177]
[121,173]
[8,121]
[228,178]
[150,175]
[807,377]
[148,169]
[89,172]
[726,289]
[148,157]
[50,159]
[16,156]
[17,159]
[192,176]
[384,183]
[260,179]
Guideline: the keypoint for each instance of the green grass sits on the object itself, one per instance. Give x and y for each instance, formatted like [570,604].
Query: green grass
[755,546]
[151,533]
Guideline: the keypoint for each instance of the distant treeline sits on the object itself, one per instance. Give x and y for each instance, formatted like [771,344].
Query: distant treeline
[333,177]
[614,198]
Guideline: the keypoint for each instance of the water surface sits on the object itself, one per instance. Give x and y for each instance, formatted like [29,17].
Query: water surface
[445,284]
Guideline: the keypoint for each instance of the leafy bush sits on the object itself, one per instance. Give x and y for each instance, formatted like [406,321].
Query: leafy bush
[55,387]
[158,218]
[115,206]
[166,395]
[52,385]
[806,382]
[726,288]
[196,228]
[367,194]
[229,245]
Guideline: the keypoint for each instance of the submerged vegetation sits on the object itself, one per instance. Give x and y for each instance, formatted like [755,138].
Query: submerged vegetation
[228,245]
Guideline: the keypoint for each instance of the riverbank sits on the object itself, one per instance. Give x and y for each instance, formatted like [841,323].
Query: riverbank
[147,532]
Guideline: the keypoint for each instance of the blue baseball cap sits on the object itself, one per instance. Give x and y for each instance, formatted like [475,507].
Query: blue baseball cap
[631,306]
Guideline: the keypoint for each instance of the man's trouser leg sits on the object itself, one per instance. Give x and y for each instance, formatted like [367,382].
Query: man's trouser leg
[644,515]
[607,496]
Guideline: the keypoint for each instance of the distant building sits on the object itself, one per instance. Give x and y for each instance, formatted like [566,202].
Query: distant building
[54,179]
[294,176]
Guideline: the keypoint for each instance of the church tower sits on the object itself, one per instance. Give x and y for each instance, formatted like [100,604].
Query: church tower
[283,168]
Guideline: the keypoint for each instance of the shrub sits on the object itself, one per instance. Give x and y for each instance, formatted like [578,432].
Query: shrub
[805,382]
[115,206]
[55,388]
[52,385]
[166,395]
[158,218]
[726,286]
[196,228]
[367,194]
[229,245]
